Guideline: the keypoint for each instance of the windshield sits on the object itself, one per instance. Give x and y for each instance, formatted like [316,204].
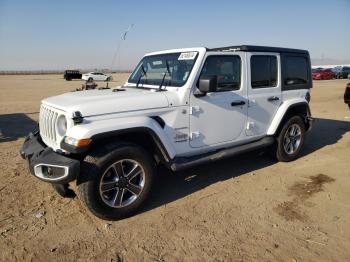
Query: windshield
[176,66]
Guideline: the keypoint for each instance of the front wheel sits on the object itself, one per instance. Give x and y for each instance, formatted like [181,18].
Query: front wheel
[114,184]
[290,140]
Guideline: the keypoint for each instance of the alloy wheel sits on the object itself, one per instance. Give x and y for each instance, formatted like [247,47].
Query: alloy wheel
[122,183]
[292,139]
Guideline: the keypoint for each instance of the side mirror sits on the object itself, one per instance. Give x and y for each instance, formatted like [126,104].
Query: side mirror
[207,84]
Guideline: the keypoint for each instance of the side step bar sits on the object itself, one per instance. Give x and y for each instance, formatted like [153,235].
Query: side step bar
[181,163]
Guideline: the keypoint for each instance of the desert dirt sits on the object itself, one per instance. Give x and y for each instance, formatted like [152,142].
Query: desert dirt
[247,208]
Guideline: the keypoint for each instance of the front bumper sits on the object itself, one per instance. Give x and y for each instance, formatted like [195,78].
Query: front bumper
[46,164]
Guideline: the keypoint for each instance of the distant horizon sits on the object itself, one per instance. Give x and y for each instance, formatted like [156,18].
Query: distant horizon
[314,62]
[57,35]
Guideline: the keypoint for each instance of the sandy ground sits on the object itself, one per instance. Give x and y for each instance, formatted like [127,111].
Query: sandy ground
[248,208]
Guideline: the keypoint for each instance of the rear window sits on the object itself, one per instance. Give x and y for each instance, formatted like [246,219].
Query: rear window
[296,70]
[263,71]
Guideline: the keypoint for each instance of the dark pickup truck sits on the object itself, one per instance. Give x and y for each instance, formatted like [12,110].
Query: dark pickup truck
[72,74]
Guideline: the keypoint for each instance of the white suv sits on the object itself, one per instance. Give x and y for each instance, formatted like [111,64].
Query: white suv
[179,108]
[95,76]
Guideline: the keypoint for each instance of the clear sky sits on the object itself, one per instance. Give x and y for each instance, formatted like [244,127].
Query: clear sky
[85,34]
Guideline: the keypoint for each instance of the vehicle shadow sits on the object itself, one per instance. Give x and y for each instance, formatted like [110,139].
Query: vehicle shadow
[170,186]
[324,132]
[15,126]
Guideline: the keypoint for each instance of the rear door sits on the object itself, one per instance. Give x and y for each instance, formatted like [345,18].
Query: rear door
[264,91]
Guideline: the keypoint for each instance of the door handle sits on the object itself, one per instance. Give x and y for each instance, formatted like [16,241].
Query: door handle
[238,103]
[273,98]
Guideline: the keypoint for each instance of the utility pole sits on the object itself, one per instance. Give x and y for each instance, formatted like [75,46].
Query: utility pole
[117,53]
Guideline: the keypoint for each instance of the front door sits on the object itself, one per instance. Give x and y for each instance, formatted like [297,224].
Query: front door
[220,117]
[264,91]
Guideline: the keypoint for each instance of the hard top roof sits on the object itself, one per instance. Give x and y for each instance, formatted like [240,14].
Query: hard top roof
[254,48]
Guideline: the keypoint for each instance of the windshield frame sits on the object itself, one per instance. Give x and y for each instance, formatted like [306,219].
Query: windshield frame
[148,85]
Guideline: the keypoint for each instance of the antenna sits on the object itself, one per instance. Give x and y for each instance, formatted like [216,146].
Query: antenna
[122,38]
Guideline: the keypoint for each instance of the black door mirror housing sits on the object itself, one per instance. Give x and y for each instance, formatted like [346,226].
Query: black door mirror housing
[207,84]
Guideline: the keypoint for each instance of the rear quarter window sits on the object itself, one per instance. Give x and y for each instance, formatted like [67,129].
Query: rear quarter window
[296,70]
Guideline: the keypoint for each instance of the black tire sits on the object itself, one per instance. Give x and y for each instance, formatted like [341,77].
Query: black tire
[63,190]
[95,168]
[281,152]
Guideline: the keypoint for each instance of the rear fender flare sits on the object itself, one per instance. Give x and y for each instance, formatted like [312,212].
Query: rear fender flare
[283,111]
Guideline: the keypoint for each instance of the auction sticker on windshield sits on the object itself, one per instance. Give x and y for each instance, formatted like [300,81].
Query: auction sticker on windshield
[187,56]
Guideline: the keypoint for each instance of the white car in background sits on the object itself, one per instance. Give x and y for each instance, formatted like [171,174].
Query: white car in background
[95,76]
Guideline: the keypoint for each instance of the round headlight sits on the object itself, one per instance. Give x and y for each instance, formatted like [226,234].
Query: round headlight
[61,125]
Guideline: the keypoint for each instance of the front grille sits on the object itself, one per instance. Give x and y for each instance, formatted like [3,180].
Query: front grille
[47,125]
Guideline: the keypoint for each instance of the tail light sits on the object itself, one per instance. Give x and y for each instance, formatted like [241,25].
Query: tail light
[348,86]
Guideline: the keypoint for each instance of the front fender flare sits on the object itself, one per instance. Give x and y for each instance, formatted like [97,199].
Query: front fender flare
[111,127]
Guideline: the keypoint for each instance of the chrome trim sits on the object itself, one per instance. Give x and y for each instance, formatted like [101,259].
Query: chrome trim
[39,173]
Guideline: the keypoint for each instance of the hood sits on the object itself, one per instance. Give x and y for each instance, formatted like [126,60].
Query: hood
[96,102]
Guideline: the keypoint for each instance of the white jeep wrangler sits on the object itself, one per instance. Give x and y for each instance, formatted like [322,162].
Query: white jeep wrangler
[179,108]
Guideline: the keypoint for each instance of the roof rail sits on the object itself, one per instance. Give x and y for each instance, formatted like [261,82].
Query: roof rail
[254,48]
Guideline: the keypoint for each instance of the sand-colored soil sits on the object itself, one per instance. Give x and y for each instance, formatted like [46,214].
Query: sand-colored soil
[248,208]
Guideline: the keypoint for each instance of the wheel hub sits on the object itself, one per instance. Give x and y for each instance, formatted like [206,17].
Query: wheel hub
[123,182]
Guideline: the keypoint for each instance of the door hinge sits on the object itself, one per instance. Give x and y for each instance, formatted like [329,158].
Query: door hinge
[194,135]
[194,109]
[250,125]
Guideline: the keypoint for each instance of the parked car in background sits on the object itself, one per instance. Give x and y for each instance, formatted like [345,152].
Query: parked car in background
[342,72]
[72,74]
[324,74]
[347,94]
[95,76]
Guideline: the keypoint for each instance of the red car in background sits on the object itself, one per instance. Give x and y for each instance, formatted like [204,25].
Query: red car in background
[323,74]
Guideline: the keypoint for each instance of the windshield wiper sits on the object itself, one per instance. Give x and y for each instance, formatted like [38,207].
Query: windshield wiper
[144,73]
[165,73]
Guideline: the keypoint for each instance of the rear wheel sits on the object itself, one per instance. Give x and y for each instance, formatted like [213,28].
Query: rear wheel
[115,183]
[290,140]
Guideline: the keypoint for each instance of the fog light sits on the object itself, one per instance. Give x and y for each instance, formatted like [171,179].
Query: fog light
[50,172]
[47,171]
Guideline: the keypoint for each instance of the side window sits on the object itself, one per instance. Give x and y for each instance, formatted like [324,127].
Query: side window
[263,70]
[226,68]
[296,70]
